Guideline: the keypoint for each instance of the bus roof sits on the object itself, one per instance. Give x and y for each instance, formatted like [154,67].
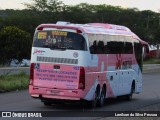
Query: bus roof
[95,28]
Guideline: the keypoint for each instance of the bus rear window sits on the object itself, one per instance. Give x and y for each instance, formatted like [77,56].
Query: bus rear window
[59,40]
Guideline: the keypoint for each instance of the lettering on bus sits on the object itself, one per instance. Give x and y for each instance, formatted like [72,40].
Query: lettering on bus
[57,76]
[124,64]
[42,35]
[127,64]
[38,52]
[59,33]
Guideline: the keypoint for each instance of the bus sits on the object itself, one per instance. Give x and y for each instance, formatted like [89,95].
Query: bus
[85,62]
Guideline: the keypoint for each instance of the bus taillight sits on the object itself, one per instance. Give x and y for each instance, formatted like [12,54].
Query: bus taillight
[40,28]
[82,78]
[31,73]
[79,31]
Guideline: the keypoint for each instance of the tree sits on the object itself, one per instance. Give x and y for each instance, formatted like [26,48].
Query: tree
[145,24]
[46,5]
[14,44]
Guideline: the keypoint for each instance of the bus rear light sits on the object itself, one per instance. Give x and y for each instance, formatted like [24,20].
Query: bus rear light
[82,78]
[40,28]
[31,74]
[79,31]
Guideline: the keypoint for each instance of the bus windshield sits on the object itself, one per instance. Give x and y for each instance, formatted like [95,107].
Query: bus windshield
[61,40]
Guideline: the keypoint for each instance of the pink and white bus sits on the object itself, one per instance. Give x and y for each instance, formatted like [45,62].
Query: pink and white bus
[91,62]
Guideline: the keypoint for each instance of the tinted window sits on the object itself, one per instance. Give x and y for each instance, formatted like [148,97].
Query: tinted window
[128,48]
[99,47]
[138,53]
[59,40]
[115,48]
[111,44]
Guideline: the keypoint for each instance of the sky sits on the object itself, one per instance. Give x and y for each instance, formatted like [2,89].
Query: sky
[153,5]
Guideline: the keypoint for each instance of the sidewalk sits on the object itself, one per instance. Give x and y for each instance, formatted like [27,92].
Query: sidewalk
[13,70]
[151,68]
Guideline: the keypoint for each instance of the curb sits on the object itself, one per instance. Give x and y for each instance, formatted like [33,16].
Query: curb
[151,68]
[156,70]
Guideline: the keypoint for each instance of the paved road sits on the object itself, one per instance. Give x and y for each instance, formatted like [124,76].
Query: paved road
[21,101]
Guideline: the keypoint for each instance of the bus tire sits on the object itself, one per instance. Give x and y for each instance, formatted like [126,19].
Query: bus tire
[47,103]
[93,103]
[130,96]
[102,98]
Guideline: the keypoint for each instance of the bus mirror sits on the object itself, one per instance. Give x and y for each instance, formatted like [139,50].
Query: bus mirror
[146,49]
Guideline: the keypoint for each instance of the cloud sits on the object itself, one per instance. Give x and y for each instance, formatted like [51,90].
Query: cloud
[12,4]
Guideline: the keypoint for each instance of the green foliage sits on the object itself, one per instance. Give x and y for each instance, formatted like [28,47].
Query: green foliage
[46,5]
[152,61]
[14,44]
[14,82]
[146,24]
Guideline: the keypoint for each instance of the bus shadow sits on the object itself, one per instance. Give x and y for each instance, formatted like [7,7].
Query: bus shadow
[85,107]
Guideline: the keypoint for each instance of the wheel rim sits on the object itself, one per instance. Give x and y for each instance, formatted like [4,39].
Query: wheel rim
[94,103]
[131,94]
[102,98]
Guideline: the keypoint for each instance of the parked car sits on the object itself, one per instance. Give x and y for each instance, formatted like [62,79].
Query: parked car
[23,63]
[14,63]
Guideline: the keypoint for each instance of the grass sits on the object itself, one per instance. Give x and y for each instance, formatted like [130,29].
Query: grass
[14,82]
[152,61]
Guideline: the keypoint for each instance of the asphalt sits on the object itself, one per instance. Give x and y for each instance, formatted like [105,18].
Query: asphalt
[151,68]
[148,100]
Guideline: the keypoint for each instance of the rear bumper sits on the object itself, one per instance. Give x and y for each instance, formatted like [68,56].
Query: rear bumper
[48,93]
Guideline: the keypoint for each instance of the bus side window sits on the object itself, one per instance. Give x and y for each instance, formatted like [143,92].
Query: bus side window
[111,47]
[93,48]
[100,47]
[128,48]
[138,54]
[115,47]
[106,49]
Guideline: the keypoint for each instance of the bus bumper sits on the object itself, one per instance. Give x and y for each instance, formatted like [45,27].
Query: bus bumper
[48,93]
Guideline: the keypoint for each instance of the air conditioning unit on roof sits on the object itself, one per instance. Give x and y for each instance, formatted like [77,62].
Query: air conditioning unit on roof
[62,23]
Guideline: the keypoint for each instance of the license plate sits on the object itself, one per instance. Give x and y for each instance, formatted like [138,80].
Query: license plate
[54,92]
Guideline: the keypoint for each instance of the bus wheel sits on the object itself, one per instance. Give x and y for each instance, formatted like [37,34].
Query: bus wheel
[93,103]
[130,96]
[47,103]
[102,98]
